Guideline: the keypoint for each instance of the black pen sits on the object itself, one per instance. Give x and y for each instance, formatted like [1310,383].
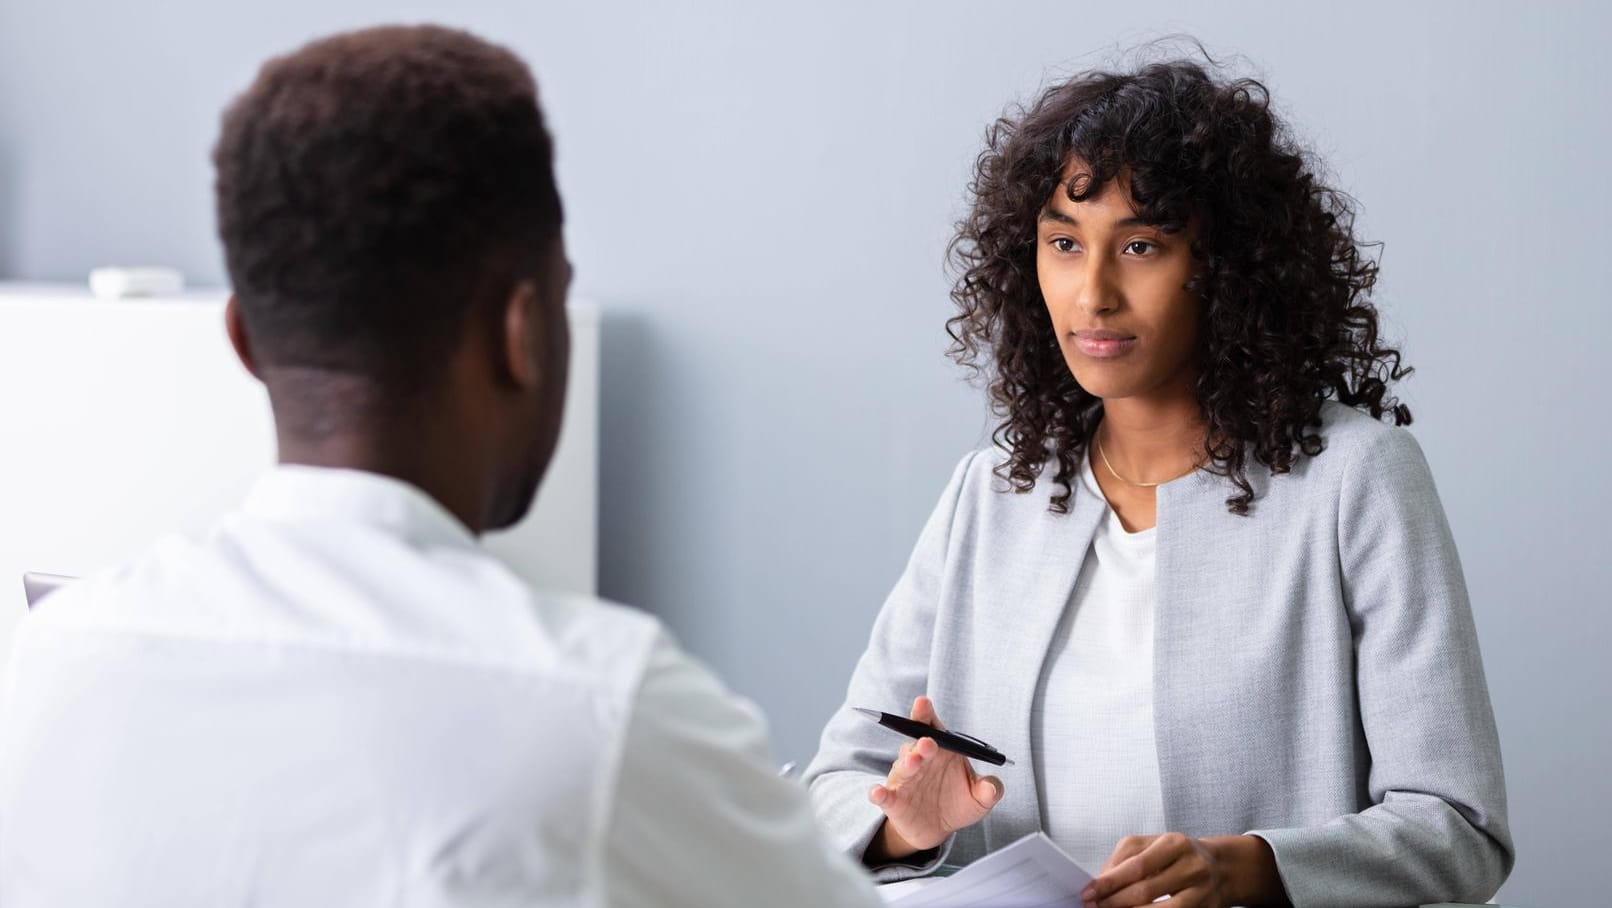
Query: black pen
[954,741]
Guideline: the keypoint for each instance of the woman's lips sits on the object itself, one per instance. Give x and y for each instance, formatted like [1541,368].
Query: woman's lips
[1104,344]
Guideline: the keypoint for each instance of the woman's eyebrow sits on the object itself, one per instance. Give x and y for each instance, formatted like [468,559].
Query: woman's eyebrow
[1050,213]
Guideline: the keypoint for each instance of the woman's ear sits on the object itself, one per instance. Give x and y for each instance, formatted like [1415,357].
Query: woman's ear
[235,327]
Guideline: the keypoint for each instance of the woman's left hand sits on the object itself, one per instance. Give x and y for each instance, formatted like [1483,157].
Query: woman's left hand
[1194,873]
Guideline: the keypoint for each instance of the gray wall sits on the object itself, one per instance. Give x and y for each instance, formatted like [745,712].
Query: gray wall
[760,197]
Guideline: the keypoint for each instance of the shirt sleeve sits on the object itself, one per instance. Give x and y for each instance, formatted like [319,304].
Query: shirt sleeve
[1437,829]
[700,817]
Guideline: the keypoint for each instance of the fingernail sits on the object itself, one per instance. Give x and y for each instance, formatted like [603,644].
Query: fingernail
[1088,894]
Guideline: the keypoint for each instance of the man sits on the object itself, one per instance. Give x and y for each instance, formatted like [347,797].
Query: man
[335,697]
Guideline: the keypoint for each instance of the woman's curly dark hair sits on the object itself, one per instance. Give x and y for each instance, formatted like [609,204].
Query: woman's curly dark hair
[1284,285]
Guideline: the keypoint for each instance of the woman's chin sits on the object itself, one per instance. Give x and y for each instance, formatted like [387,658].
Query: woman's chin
[1105,383]
[1113,381]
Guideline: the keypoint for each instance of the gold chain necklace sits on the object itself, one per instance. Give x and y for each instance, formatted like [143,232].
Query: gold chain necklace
[1141,485]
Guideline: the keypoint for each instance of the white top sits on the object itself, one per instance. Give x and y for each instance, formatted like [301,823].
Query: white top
[1092,737]
[337,698]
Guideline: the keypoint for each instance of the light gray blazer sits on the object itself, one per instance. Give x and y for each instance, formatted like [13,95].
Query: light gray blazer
[1316,670]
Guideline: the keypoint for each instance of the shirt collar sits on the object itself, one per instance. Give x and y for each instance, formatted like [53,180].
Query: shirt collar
[297,492]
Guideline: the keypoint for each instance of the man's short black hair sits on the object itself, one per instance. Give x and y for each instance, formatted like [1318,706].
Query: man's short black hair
[372,187]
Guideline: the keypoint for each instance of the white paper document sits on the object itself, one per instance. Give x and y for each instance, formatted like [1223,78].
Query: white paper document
[1030,873]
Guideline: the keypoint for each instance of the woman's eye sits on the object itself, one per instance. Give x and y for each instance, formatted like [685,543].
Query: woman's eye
[1063,244]
[1139,247]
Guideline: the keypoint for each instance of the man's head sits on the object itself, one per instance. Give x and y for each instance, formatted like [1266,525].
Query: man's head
[391,226]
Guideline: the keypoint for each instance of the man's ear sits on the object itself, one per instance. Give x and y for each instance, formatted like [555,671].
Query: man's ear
[235,327]
[523,340]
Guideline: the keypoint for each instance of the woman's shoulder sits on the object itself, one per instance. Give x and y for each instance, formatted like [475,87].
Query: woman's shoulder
[1350,433]
[979,472]
[978,467]
[1361,455]
[1369,454]
[980,490]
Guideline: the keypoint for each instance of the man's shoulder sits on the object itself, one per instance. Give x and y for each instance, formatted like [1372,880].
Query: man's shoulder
[463,609]
[597,631]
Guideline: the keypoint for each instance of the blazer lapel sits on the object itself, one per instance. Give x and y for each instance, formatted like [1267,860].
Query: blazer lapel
[1032,600]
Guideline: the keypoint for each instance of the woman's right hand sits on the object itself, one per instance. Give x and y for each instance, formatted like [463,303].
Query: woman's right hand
[929,794]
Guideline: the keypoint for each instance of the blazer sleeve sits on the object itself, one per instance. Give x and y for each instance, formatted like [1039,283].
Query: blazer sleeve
[854,754]
[1437,829]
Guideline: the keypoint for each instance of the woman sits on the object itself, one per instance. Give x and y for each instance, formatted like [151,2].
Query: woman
[1208,602]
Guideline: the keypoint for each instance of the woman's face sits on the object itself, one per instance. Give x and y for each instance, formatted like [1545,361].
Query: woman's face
[1115,288]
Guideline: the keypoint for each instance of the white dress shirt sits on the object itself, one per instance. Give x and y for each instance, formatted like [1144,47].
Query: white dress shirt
[1092,729]
[337,698]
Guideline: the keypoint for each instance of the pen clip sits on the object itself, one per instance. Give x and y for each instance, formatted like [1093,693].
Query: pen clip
[973,739]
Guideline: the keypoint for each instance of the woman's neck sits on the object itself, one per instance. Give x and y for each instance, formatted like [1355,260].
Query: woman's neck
[1150,439]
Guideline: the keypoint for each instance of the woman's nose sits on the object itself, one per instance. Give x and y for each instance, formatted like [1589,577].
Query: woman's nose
[1098,293]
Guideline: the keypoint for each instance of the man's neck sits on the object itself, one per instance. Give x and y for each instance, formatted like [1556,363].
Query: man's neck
[372,455]
[421,444]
